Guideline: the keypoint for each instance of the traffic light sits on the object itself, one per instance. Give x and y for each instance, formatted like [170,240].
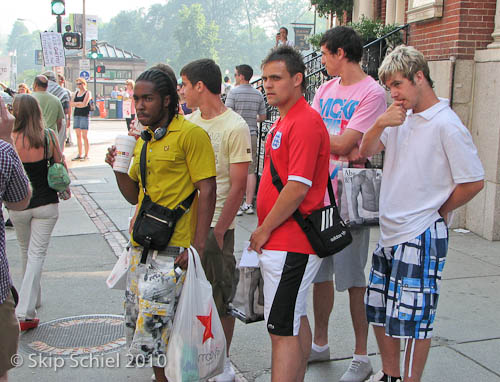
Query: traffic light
[93,49]
[100,69]
[58,7]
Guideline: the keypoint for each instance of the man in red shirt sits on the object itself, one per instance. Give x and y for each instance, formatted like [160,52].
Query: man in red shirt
[298,146]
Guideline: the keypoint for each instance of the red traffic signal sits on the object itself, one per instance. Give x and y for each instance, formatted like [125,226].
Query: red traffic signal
[100,69]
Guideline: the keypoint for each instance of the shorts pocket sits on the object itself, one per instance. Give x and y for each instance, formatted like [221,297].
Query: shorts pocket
[417,299]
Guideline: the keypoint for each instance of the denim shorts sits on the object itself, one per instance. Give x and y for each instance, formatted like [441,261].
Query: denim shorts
[403,289]
[81,122]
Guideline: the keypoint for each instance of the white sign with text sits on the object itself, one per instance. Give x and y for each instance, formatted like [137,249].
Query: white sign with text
[53,50]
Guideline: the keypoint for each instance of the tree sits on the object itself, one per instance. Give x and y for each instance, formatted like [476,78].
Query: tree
[196,37]
[328,7]
[23,43]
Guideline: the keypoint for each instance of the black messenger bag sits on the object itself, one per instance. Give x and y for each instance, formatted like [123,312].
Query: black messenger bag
[326,231]
[155,224]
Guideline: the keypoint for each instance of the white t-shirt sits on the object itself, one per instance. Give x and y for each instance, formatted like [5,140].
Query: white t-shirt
[425,158]
[230,139]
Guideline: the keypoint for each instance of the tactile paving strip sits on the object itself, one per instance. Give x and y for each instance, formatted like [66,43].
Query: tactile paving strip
[75,336]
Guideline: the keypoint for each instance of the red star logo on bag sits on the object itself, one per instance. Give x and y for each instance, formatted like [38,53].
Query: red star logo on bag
[206,321]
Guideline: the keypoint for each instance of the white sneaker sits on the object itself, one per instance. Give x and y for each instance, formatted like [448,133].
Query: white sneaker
[240,212]
[378,377]
[357,372]
[227,376]
[319,356]
[246,208]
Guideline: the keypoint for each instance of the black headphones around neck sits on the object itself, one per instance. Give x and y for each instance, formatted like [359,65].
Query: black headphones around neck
[159,134]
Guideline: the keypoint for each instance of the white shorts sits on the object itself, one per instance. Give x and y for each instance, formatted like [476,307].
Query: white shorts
[287,276]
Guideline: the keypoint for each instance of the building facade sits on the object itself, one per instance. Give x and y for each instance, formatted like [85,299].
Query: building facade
[461,41]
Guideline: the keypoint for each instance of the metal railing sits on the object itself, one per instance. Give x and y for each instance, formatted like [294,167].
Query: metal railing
[373,54]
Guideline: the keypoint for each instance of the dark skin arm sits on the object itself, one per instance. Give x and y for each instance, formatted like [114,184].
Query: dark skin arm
[128,187]
[206,207]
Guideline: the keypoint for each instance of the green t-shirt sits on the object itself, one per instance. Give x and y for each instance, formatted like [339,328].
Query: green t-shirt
[52,109]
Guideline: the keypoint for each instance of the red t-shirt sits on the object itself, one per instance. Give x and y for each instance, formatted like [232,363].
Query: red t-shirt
[300,148]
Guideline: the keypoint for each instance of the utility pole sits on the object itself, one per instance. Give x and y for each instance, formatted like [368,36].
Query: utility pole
[84,26]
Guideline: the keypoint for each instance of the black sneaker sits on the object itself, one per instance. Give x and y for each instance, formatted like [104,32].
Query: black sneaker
[8,223]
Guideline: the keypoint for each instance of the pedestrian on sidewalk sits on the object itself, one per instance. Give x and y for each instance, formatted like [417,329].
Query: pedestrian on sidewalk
[231,142]
[249,103]
[349,105]
[34,225]
[431,167]
[298,146]
[15,193]
[81,117]
[180,162]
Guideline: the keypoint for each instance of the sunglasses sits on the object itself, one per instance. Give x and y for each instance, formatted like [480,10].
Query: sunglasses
[79,83]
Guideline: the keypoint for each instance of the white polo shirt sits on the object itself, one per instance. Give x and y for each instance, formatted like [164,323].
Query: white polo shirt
[425,158]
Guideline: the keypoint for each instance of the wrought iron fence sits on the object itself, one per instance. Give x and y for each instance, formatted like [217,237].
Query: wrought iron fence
[373,54]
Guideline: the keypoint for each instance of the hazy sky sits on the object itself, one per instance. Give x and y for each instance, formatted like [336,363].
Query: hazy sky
[38,15]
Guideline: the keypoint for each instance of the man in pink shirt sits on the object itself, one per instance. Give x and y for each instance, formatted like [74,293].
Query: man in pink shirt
[349,105]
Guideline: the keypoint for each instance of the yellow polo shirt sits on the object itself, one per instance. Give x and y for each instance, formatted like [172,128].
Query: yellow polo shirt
[181,158]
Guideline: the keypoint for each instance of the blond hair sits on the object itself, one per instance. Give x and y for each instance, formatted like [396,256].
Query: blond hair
[83,81]
[405,60]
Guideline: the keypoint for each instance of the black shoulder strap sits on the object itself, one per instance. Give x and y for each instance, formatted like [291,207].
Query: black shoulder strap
[184,205]
[142,166]
[297,215]
[45,147]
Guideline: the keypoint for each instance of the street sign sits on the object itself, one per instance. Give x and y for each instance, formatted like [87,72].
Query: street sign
[85,75]
[84,64]
[301,36]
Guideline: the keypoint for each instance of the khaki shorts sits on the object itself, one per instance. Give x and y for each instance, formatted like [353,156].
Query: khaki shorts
[219,268]
[9,333]
[253,166]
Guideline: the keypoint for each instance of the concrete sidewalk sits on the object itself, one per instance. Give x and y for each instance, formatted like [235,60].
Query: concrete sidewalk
[92,228]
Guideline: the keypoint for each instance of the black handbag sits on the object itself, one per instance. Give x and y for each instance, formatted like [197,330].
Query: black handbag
[155,224]
[326,231]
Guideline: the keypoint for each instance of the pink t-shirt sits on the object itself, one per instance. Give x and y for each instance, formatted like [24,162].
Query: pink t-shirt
[348,107]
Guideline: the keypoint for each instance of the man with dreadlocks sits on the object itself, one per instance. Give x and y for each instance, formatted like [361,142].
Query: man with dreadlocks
[180,159]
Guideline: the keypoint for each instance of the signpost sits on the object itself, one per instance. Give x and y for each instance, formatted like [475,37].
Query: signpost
[84,64]
[301,35]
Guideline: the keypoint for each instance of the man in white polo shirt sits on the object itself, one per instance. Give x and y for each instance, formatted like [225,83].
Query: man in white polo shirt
[431,167]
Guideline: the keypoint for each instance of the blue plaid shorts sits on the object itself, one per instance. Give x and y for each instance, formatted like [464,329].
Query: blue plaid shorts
[403,289]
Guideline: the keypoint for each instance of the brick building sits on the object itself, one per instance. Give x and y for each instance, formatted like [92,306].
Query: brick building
[461,41]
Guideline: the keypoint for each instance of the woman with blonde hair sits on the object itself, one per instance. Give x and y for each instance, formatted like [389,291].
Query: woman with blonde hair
[35,145]
[81,117]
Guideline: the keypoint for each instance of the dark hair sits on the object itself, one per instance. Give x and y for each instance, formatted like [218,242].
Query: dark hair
[292,59]
[286,30]
[41,81]
[168,70]
[163,84]
[345,38]
[246,71]
[226,79]
[206,71]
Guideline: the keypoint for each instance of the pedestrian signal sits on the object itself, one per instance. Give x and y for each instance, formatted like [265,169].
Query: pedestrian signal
[100,69]
[72,40]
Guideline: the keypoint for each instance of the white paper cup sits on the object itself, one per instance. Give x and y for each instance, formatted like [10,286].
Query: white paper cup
[124,150]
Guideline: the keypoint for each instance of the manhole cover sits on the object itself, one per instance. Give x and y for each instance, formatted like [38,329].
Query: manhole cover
[76,336]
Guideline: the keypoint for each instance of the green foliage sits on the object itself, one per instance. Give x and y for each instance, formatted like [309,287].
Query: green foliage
[315,39]
[24,44]
[370,30]
[326,7]
[197,37]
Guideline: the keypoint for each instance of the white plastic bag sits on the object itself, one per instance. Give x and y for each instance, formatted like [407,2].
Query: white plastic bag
[197,345]
[117,278]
